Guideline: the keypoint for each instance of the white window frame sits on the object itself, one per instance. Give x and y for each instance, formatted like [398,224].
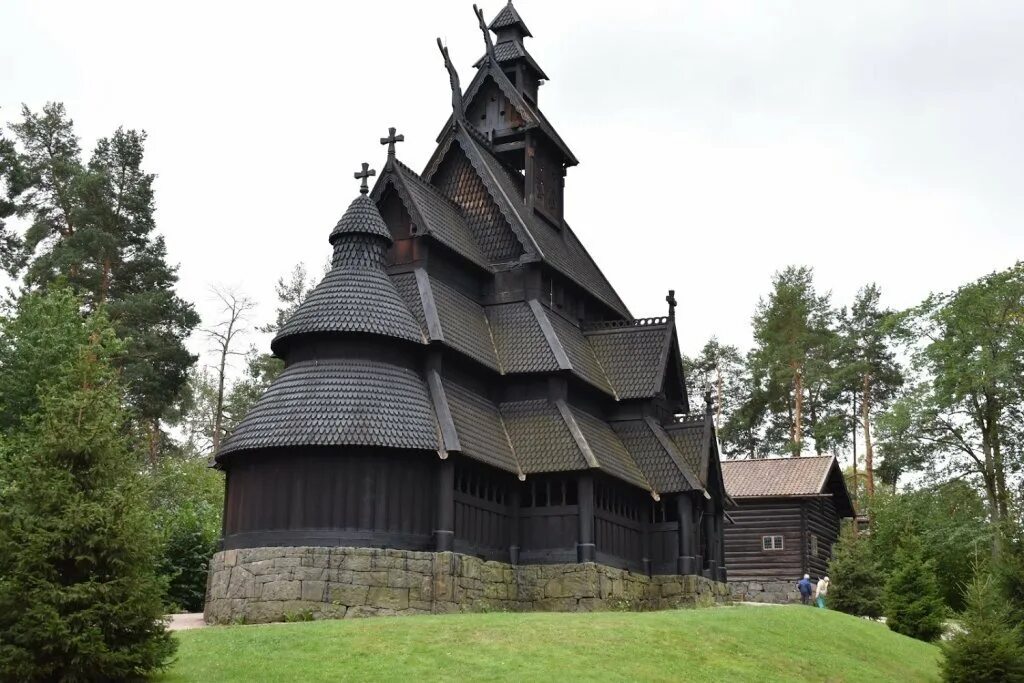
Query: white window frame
[773,542]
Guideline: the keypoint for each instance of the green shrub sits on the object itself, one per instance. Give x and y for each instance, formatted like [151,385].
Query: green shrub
[988,650]
[188,498]
[856,582]
[913,602]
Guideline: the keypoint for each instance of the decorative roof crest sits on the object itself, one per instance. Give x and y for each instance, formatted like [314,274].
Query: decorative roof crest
[487,33]
[453,79]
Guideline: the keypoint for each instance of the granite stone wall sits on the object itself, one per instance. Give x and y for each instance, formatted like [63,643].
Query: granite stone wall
[258,585]
[777,592]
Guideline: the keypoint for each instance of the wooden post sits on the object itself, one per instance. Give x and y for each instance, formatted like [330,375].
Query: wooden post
[513,522]
[444,534]
[720,530]
[711,540]
[687,562]
[586,550]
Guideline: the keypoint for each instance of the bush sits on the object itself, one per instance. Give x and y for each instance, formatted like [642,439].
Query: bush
[188,498]
[1009,580]
[913,602]
[79,597]
[988,650]
[856,582]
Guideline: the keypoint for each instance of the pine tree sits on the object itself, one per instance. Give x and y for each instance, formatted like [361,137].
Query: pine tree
[790,361]
[913,602]
[856,582]
[989,649]
[79,596]
[92,227]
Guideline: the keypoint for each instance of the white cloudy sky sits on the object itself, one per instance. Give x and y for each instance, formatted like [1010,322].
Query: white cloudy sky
[719,141]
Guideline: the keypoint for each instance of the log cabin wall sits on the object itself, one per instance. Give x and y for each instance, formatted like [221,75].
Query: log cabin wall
[822,533]
[745,555]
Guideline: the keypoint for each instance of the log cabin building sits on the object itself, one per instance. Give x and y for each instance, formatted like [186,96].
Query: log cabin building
[787,516]
[466,379]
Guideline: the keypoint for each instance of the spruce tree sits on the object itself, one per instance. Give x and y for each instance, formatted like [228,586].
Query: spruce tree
[91,226]
[913,602]
[989,648]
[79,595]
[856,582]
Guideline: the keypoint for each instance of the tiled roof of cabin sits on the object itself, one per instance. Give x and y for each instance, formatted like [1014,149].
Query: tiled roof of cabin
[340,402]
[440,217]
[776,476]
[632,354]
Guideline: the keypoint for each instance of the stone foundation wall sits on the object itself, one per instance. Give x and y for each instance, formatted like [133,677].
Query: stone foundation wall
[778,592]
[258,585]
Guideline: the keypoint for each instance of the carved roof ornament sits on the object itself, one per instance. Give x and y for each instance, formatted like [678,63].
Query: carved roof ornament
[709,401]
[364,175]
[453,78]
[390,141]
[671,299]
[487,33]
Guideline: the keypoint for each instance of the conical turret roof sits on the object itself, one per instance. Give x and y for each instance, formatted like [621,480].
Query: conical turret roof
[356,295]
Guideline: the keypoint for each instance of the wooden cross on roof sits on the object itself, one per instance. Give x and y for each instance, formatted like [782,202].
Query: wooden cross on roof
[363,175]
[671,299]
[391,139]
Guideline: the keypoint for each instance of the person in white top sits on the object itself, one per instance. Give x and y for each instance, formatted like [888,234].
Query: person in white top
[821,591]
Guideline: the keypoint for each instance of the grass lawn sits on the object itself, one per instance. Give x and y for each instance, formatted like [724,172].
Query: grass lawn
[727,644]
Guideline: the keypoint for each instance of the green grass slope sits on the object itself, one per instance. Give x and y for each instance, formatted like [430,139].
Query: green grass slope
[728,644]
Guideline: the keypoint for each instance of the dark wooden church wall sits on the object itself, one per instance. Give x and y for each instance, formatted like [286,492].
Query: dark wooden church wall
[822,532]
[548,519]
[288,497]
[744,553]
[621,516]
[483,512]
[664,540]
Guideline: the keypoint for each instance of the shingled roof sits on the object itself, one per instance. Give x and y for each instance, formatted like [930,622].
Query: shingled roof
[356,295]
[634,354]
[340,402]
[771,477]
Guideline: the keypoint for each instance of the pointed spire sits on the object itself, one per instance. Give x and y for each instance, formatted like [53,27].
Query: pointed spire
[509,23]
[361,218]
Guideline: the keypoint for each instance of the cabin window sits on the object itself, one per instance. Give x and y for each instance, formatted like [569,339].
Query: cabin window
[814,545]
[771,543]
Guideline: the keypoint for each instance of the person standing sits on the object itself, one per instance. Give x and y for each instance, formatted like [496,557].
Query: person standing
[805,587]
[821,591]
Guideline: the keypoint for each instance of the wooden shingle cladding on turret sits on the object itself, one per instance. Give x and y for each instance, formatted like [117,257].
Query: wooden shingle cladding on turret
[465,332]
[787,517]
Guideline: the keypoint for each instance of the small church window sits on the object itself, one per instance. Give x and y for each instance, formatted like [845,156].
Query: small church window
[771,543]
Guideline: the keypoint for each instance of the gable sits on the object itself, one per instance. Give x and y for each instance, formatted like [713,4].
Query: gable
[456,178]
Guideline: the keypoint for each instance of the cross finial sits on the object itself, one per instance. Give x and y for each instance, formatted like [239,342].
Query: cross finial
[363,175]
[709,402]
[671,299]
[391,139]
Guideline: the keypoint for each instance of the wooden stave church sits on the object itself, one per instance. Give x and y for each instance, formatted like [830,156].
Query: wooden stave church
[466,379]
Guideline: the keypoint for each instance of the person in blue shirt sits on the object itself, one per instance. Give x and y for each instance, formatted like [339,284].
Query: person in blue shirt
[806,589]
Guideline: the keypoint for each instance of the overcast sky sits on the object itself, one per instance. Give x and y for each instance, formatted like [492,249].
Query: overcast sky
[718,141]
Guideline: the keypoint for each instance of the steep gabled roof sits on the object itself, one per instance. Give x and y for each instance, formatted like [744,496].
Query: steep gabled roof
[511,50]
[570,347]
[690,438]
[432,212]
[340,402]
[787,477]
[634,354]
[560,250]
[508,16]
[519,339]
[657,456]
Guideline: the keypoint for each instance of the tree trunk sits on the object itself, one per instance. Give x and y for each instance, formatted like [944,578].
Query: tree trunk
[798,388]
[865,411]
[854,434]
[218,415]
